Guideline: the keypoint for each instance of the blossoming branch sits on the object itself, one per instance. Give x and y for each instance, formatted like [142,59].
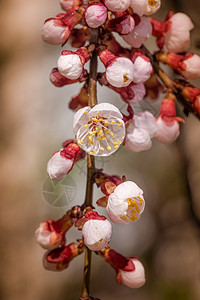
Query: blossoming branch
[100,129]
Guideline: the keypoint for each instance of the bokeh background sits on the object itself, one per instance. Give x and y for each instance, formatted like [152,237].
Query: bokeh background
[34,122]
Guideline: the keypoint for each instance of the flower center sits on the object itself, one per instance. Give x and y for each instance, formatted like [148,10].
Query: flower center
[135,208]
[153,3]
[101,136]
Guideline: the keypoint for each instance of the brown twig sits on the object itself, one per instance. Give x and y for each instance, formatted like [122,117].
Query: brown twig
[92,91]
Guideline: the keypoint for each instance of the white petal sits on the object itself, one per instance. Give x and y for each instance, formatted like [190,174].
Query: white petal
[136,278]
[138,140]
[120,72]
[97,234]
[58,167]
[70,66]
[167,132]
[107,110]
[147,121]
[81,118]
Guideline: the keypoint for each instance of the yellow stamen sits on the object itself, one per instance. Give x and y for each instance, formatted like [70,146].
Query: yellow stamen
[102,148]
[113,122]
[125,78]
[109,148]
[116,146]
[106,123]
[98,112]
[86,125]
[94,120]
[85,112]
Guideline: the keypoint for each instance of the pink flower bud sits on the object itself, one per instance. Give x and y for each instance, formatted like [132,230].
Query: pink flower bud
[70,4]
[145,7]
[126,203]
[140,34]
[168,123]
[62,162]
[117,6]
[58,166]
[95,15]
[119,70]
[142,67]
[137,139]
[51,234]
[97,234]
[174,34]
[190,66]
[59,258]
[57,30]
[135,278]
[138,92]
[59,80]
[140,132]
[130,271]
[71,64]
[53,32]
[177,37]
[123,24]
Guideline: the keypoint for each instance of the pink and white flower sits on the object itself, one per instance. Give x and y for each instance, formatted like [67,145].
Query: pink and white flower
[51,234]
[70,4]
[173,35]
[117,6]
[140,33]
[123,24]
[129,270]
[119,70]
[142,67]
[99,131]
[126,203]
[190,66]
[133,279]
[58,259]
[71,64]
[145,7]
[56,30]
[62,162]
[140,131]
[95,15]
[97,233]
[168,123]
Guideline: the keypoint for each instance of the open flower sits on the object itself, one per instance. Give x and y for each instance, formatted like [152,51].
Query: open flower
[117,6]
[140,33]
[95,15]
[126,203]
[51,234]
[96,231]
[140,131]
[145,7]
[100,130]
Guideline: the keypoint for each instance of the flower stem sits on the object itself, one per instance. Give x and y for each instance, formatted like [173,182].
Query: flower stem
[92,92]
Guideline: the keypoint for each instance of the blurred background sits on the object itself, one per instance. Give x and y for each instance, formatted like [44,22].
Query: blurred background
[35,120]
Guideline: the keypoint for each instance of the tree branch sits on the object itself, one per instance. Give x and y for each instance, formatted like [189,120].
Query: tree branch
[92,91]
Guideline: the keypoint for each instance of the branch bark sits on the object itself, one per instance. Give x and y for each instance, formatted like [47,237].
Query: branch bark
[92,93]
